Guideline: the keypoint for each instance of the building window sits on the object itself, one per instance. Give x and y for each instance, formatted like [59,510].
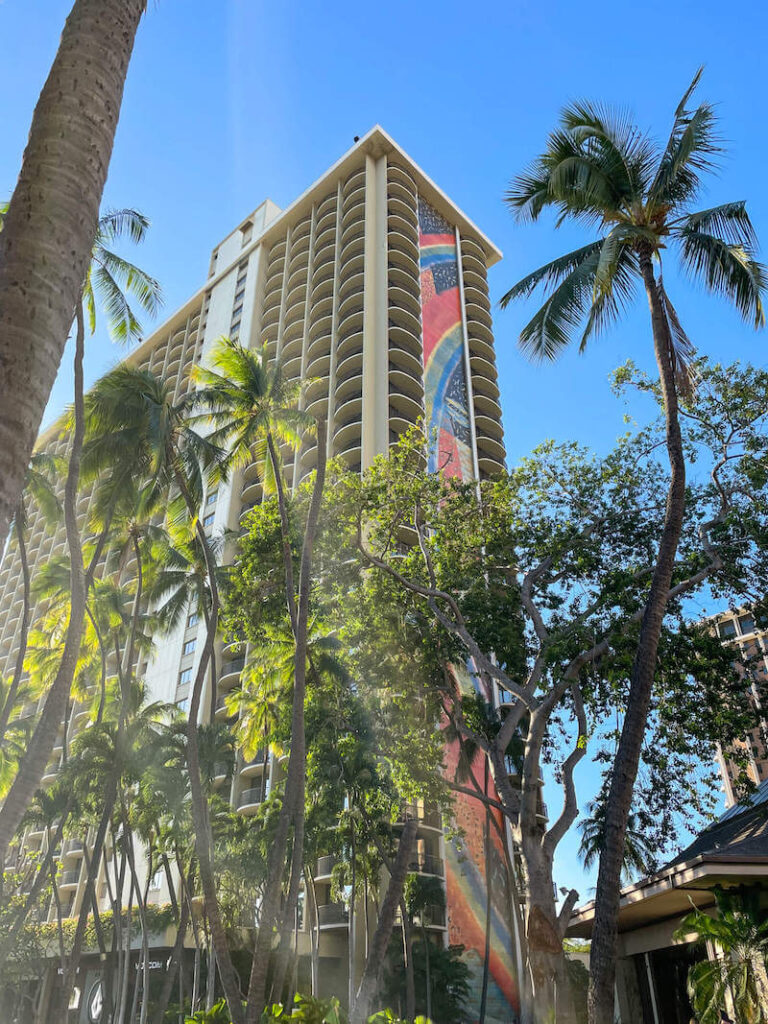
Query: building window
[157,880]
[212,498]
[208,521]
[192,619]
[728,629]
[185,676]
[183,705]
[247,231]
[240,294]
[189,646]
[747,624]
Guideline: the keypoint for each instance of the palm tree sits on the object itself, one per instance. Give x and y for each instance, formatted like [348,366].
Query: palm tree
[40,487]
[133,410]
[251,406]
[738,970]
[105,279]
[638,856]
[52,220]
[601,170]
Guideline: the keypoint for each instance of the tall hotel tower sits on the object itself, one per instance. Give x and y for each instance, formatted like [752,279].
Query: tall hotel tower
[373,285]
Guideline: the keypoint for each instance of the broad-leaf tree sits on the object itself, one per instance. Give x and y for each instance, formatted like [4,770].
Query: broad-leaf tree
[600,170]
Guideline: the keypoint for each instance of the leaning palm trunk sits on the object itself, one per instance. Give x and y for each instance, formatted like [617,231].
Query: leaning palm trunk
[369,983]
[292,810]
[410,981]
[68,979]
[229,979]
[607,893]
[41,744]
[48,231]
[13,689]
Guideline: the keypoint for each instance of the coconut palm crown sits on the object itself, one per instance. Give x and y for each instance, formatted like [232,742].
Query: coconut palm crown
[601,170]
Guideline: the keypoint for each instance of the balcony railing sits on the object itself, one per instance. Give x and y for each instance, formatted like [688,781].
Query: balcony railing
[325,864]
[249,797]
[431,917]
[69,877]
[72,847]
[427,864]
[229,667]
[422,814]
[332,914]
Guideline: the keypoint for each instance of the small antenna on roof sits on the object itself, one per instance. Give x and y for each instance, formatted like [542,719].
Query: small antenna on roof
[357,138]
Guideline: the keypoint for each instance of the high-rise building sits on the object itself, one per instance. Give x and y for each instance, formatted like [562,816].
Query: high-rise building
[738,629]
[372,284]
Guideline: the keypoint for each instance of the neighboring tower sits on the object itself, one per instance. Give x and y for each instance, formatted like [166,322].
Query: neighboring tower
[738,629]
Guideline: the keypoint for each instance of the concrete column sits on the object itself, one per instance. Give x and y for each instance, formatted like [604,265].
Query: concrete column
[375,432]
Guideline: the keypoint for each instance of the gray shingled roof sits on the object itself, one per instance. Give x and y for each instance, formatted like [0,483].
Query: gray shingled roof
[740,832]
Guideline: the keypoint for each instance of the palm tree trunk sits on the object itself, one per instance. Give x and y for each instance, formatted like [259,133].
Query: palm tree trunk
[13,689]
[314,933]
[292,810]
[369,983]
[70,975]
[229,978]
[427,971]
[41,744]
[9,940]
[410,982]
[48,231]
[607,893]
[351,940]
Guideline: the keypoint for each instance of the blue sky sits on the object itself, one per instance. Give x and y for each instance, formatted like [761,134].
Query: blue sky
[231,101]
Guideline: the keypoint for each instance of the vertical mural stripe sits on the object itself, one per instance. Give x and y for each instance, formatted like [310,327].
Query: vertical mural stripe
[449,432]
[445,385]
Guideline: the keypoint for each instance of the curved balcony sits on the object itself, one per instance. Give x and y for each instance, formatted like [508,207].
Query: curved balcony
[69,879]
[350,344]
[325,866]
[230,671]
[255,766]
[427,864]
[426,818]
[402,298]
[399,190]
[396,173]
[353,265]
[249,800]
[399,243]
[72,848]
[333,915]
[350,366]
[402,208]
[491,447]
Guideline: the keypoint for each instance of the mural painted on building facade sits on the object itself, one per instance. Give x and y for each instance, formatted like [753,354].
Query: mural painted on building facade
[445,382]
[468,872]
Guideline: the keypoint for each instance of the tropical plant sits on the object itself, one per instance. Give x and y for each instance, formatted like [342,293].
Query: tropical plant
[52,219]
[600,170]
[638,855]
[737,972]
[250,407]
[103,280]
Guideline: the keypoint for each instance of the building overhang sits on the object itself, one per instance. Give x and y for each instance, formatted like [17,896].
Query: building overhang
[674,892]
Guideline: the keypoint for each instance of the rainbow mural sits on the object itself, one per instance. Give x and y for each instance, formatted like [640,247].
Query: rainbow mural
[447,422]
[445,382]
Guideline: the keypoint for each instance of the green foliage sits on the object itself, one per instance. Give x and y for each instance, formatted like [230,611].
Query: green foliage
[740,933]
[218,1014]
[306,1009]
[603,171]
[449,980]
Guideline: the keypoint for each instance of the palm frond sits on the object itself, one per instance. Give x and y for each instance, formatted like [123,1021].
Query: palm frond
[727,270]
[550,330]
[683,349]
[550,274]
[116,224]
[729,221]
[692,149]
